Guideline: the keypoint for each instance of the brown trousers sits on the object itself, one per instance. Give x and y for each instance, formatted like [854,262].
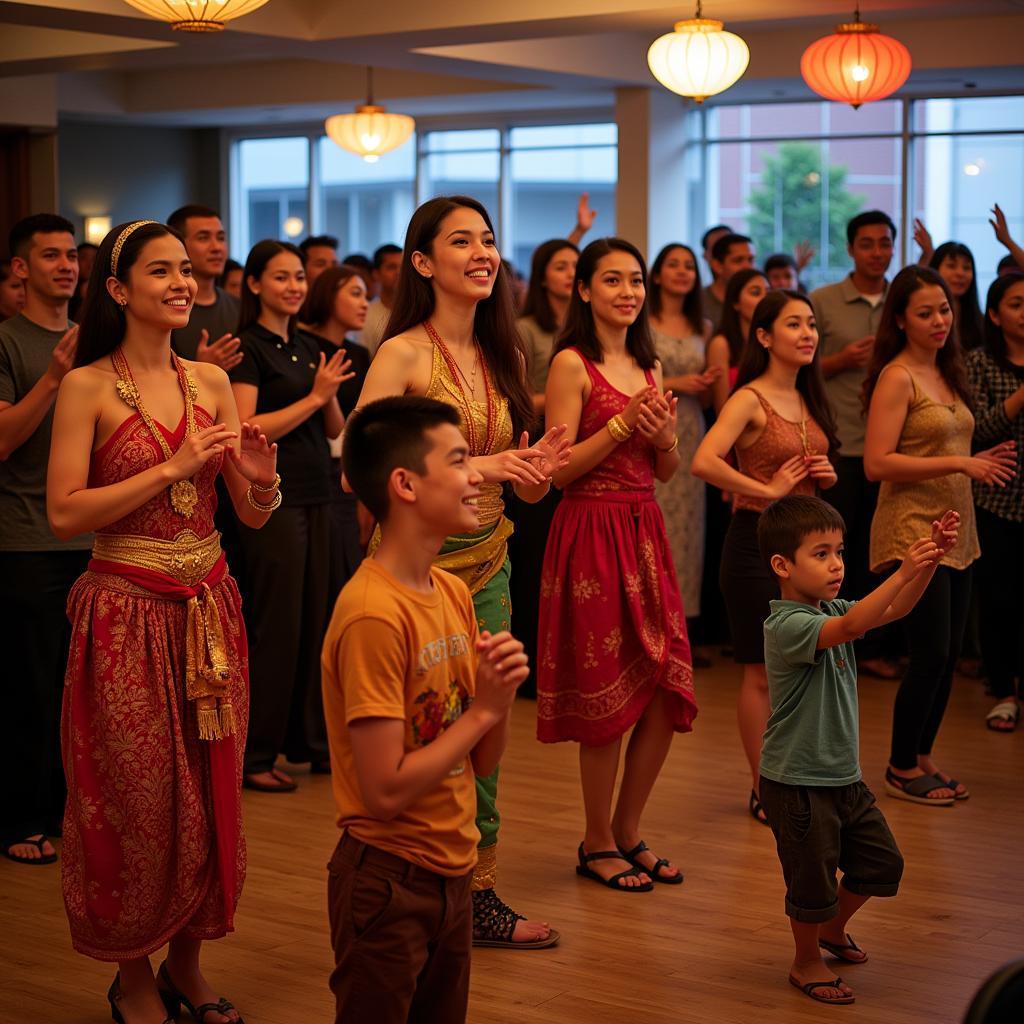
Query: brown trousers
[402,937]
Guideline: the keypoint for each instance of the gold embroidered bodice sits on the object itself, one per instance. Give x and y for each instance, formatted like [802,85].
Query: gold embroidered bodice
[445,388]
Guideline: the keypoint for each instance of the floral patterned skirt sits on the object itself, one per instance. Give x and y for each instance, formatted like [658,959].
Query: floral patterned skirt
[611,629]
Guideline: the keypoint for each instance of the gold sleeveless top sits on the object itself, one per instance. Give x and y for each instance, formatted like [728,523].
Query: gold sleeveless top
[446,389]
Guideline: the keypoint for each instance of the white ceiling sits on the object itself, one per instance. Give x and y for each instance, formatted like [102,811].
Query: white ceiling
[296,60]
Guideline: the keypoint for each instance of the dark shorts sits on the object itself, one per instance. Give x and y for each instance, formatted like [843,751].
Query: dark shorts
[402,937]
[747,586]
[819,829]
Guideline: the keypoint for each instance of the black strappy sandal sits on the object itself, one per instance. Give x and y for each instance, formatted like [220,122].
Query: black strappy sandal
[655,871]
[494,921]
[114,997]
[174,999]
[611,883]
[756,810]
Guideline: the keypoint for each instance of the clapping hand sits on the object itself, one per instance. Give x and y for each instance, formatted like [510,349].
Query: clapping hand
[656,423]
[550,453]
[224,352]
[946,532]
[922,554]
[820,469]
[255,458]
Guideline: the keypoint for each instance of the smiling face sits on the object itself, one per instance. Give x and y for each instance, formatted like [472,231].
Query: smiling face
[160,288]
[560,273]
[816,572]
[207,245]
[739,256]
[351,303]
[678,273]
[928,318]
[616,290]
[793,338]
[463,259]
[1010,313]
[958,273]
[282,286]
[750,295]
[448,489]
[49,267]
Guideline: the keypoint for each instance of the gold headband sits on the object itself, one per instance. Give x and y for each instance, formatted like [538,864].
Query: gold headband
[119,244]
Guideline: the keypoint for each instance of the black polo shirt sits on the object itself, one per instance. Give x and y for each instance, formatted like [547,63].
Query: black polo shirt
[283,370]
[349,392]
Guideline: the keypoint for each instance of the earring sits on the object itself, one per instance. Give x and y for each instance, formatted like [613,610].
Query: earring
[123,303]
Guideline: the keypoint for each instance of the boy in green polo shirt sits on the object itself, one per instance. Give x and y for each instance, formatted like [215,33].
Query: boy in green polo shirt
[822,815]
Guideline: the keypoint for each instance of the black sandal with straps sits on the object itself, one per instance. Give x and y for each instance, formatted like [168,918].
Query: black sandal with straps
[174,999]
[494,921]
[611,883]
[655,871]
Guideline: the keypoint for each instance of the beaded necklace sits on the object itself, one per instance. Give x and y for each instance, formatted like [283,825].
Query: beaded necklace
[456,374]
[183,494]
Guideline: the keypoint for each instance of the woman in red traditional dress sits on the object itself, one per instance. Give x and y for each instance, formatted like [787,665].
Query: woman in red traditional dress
[614,653]
[156,695]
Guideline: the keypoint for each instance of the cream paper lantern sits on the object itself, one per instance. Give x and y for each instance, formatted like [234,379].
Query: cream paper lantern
[698,59]
[196,15]
[371,130]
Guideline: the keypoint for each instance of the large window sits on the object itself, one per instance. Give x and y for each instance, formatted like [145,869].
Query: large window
[529,178]
[791,173]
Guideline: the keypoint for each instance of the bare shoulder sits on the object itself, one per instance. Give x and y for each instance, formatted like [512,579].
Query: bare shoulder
[406,349]
[90,381]
[207,374]
[895,381]
[569,363]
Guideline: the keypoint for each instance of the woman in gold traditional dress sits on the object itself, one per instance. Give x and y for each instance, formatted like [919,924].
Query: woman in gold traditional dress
[156,695]
[452,336]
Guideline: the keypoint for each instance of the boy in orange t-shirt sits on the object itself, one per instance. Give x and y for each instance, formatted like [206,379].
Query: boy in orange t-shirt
[416,703]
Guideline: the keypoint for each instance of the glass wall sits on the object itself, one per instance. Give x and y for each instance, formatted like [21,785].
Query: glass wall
[271,197]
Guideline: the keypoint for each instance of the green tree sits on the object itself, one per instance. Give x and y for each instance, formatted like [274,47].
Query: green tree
[786,207]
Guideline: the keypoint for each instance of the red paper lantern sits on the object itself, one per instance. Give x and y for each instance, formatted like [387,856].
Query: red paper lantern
[856,65]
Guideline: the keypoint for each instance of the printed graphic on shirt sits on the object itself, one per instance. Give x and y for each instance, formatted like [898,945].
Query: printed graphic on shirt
[436,712]
[433,653]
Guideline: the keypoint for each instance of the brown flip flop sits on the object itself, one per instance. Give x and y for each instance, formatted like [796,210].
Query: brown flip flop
[809,990]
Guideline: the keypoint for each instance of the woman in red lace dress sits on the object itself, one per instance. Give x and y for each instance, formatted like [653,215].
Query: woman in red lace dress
[156,694]
[614,653]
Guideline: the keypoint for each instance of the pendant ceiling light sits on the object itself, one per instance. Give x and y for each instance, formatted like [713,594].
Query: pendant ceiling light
[371,130]
[698,59]
[858,64]
[196,15]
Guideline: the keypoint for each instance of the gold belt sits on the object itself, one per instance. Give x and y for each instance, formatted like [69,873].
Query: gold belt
[186,559]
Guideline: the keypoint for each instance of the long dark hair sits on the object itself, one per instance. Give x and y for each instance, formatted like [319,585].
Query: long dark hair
[693,301]
[255,264]
[891,339]
[995,340]
[320,304]
[731,326]
[809,381]
[103,321]
[538,302]
[580,332]
[967,307]
[494,322]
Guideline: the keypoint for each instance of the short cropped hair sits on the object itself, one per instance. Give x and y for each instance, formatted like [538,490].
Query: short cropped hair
[862,220]
[386,435]
[327,241]
[357,259]
[710,231]
[780,261]
[180,218]
[785,523]
[388,249]
[1008,262]
[20,239]
[721,248]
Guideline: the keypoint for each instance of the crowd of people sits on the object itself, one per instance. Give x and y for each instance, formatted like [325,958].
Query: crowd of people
[197,457]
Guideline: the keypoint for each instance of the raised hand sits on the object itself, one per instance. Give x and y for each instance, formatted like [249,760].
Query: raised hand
[946,532]
[550,453]
[62,359]
[922,554]
[657,420]
[820,468]
[585,216]
[803,253]
[330,375]
[1000,227]
[224,352]
[923,239]
[787,476]
[197,449]
[255,458]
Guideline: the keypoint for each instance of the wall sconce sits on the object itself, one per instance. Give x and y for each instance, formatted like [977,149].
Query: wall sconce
[96,229]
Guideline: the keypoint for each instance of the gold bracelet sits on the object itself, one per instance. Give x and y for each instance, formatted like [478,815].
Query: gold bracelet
[618,429]
[262,508]
[272,486]
[671,448]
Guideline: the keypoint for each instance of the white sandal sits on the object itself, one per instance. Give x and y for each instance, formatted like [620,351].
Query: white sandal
[1005,711]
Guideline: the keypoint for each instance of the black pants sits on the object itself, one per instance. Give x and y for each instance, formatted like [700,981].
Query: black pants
[998,573]
[854,497]
[346,551]
[287,565]
[935,632]
[34,638]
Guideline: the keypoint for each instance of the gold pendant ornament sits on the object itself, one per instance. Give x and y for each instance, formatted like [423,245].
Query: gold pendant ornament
[184,497]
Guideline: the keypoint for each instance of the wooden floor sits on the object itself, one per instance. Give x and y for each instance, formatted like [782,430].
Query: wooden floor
[715,949]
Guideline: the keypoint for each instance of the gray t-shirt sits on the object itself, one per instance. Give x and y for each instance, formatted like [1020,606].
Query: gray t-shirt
[539,345]
[713,307]
[812,737]
[219,318]
[25,350]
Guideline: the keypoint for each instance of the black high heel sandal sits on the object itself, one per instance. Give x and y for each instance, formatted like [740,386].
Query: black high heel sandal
[174,999]
[114,997]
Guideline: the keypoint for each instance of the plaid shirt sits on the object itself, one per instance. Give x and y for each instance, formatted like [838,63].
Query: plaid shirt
[992,385]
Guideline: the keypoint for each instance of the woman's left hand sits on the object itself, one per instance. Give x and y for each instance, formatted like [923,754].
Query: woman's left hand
[550,453]
[821,470]
[256,457]
[657,422]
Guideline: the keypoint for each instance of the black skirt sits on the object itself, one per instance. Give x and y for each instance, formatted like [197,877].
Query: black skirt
[748,584]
